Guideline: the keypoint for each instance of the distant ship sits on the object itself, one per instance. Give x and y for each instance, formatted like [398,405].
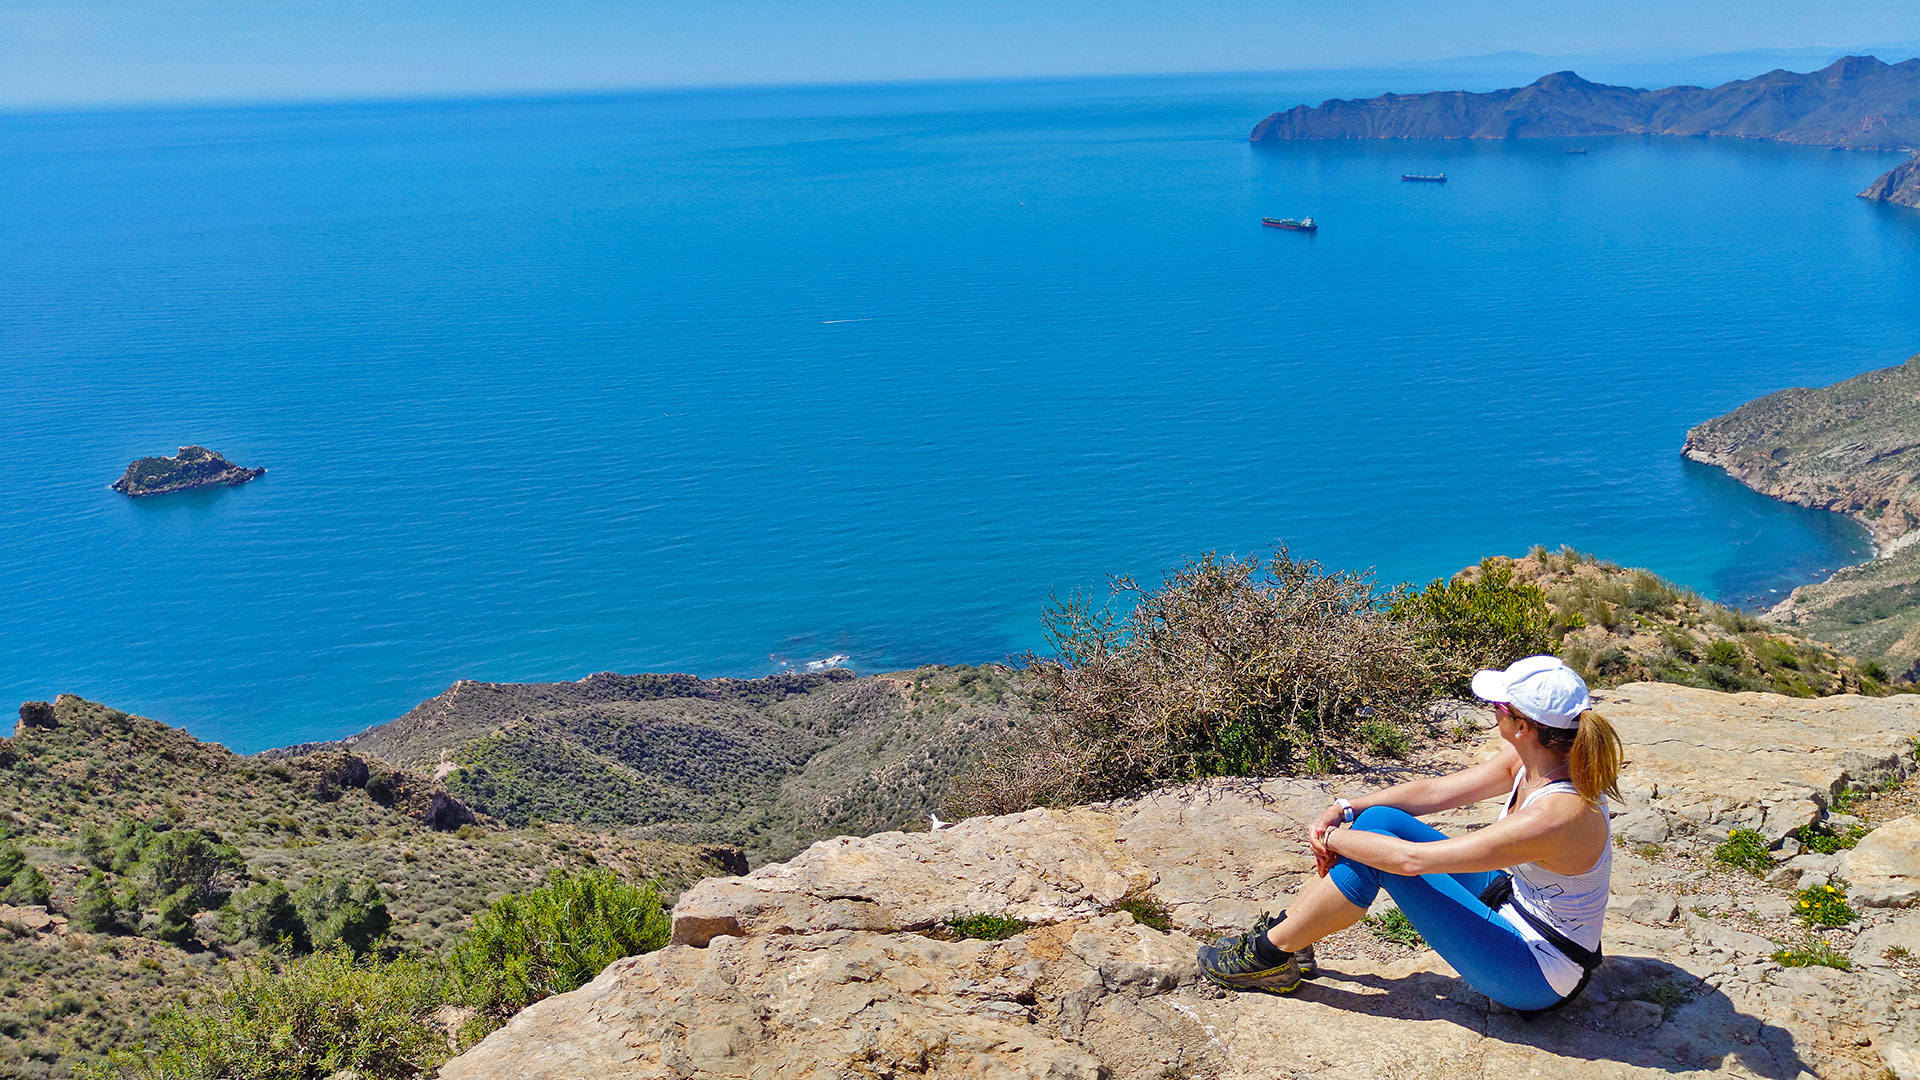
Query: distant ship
[1303,225]
[1581,150]
[1425,178]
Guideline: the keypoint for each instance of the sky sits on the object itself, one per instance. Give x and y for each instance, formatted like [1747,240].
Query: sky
[88,52]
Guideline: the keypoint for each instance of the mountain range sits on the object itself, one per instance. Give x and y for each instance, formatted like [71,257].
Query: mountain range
[1855,103]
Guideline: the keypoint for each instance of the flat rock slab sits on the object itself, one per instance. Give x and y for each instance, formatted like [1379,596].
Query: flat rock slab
[830,965]
[1751,760]
[1883,870]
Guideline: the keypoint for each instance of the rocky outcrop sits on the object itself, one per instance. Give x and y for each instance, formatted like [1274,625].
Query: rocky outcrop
[1856,102]
[839,962]
[1849,448]
[1884,869]
[1900,185]
[193,467]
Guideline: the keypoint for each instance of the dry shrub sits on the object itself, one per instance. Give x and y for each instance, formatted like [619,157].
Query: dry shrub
[1231,668]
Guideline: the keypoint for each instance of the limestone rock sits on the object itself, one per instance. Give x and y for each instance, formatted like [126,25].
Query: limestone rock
[1883,870]
[1903,932]
[1757,761]
[1642,827]
[832,964]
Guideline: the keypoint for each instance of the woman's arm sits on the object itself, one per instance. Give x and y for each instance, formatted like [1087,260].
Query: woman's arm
[1491,777]
[1537,833]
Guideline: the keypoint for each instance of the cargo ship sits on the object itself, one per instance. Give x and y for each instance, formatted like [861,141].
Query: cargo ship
[1425,178]
[1303,225]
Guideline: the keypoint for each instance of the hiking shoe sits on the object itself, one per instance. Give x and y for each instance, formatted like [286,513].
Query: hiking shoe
[1302,959]
[1232,963]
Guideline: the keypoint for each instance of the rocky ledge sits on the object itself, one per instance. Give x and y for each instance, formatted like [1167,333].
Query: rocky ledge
[841,962]
[1900,185]
[193,467]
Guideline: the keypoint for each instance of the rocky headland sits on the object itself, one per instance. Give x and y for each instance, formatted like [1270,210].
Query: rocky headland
[1856,103]
[1901,186]
[193,467]
[853,959]
[1849,448]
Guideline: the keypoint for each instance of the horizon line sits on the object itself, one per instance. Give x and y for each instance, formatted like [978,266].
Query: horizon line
[584,93]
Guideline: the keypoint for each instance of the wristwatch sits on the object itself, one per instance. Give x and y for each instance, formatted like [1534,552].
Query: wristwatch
[1346,811]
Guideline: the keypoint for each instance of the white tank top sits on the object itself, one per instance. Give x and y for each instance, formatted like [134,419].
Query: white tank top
[1574,904]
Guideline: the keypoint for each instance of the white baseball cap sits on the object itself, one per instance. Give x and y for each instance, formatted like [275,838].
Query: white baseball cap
[1545,689]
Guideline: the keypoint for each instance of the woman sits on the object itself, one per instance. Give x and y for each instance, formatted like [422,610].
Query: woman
[1528,941]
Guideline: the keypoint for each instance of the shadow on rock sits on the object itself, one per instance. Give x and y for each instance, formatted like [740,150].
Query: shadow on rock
[1637,1011]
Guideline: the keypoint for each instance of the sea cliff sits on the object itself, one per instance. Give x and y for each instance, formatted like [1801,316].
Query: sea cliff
[1852,448]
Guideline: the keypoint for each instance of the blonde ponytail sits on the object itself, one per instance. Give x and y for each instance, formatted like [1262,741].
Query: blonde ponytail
[1594,762]
[1593,753]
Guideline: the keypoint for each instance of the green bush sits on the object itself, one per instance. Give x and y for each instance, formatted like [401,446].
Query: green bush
[96,911]
[1744,849]
[174,917]
[335,913]
[986,927]
[1825,905]
[314,1017]
[1232,668]
[1146,911]
[1821,838]
[193,862]
[554,939]
[1724,653]
[1813,953]
[1392,925]
[1475,621]
[29,886]
[1383,736]
[266,914]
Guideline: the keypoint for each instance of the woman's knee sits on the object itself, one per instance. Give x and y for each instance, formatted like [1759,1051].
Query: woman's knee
[1389,820]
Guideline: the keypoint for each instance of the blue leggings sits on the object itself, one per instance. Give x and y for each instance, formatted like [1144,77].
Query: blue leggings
[1483,947]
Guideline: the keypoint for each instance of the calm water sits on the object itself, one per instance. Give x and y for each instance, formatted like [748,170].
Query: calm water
[706,382]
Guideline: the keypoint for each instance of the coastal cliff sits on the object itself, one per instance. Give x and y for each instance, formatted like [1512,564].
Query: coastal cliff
[1857,103]
[1900,186]
[193,467]
[1850,448]
[869,957]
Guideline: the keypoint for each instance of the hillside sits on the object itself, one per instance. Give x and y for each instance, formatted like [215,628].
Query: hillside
[767,764]
[1618,625]
[74,777]
[1847,448]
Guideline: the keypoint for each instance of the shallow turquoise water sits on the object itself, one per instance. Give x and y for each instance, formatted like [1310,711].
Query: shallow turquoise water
[713,381]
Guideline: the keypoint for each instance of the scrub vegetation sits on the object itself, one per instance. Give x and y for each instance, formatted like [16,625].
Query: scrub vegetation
[173,866]
[400,1015]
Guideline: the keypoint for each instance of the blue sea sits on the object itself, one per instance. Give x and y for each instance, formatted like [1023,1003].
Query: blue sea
[726,381]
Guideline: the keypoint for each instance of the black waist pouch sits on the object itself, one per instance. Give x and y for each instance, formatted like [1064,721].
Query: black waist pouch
[1500,893]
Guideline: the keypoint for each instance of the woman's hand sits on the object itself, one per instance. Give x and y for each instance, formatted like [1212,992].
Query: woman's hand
[1329,819]
[1317,834]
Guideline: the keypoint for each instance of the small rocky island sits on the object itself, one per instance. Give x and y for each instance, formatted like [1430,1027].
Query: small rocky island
[193,467]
